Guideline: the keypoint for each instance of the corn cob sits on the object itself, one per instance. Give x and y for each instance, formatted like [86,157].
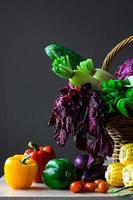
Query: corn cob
[113,174]
[127,175]
[126,154]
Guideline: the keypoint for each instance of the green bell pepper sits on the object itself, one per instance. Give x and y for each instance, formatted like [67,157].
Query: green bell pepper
[59,173]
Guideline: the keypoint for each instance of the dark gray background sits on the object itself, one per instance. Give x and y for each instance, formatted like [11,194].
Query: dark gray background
[27,85]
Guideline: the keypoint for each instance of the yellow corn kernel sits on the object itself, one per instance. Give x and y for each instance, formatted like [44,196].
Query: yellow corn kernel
[127,175]
[126,154]
[113,174]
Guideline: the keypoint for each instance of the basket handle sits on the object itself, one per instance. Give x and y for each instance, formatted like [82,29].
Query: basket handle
[108,59]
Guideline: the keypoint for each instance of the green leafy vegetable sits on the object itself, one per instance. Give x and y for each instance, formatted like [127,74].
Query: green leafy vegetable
[86,66]
[62,67]
[55,51]
[117,97]
[80,76]
[84,74]
[69,65]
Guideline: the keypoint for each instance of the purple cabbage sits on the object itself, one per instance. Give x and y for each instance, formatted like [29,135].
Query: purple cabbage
[79,112]
[124,70]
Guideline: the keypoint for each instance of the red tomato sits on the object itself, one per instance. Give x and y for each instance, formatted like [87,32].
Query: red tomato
[103,187]
[96,182]
[77,187]
[89,187]
[50,151]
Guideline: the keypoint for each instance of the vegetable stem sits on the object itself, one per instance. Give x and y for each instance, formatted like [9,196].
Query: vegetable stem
[68,61]
[70,71]
[24,160]
[33,145]
[55,54]
[118,190]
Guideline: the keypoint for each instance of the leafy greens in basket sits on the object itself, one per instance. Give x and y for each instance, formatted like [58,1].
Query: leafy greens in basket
[80,109]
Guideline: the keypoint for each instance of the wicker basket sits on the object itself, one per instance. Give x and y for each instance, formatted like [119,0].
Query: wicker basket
[119,128]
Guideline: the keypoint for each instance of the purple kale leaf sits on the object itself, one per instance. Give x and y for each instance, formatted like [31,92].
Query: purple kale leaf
[79,112]
[124,70]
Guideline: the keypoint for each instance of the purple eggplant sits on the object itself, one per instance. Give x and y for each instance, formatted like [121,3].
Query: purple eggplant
[80,162]
[96,172]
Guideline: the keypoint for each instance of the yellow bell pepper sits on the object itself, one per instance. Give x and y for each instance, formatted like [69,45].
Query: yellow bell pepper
[20,171]
[126,154]
[113,174]
[127,174]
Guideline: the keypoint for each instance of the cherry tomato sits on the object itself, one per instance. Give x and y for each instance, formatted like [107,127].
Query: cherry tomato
[103,187]
[89,187]
[50,151]
[77,187]
[96,182]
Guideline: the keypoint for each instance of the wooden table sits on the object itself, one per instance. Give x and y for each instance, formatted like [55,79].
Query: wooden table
[39,192]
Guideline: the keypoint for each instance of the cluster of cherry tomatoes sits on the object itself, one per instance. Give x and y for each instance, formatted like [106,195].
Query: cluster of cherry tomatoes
[98,185]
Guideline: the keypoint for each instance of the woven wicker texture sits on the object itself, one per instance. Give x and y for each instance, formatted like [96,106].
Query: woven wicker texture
[119,127]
